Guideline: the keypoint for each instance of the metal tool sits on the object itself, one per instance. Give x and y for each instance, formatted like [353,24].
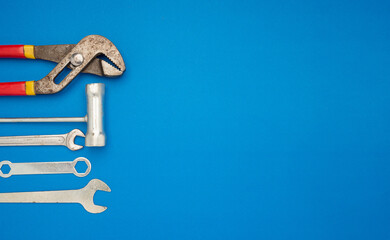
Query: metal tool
[83,196]
[33,168]
[79,58]
[95,134]
[47,140]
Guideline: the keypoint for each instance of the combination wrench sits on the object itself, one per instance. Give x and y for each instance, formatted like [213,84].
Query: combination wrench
[48,140]
[45,168]
[83,196]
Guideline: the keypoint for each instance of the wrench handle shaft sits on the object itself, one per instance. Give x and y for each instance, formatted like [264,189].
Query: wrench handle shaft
[54,119]
[67,196]
[42,168]
[37,140]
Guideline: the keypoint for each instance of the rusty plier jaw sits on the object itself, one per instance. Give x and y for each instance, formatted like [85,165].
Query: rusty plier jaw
[78,59]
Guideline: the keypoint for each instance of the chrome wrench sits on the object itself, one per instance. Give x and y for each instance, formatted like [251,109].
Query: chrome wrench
[83,196]
[47,140]
[45,168]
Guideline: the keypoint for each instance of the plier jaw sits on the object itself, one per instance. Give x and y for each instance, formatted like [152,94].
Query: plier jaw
[82,57]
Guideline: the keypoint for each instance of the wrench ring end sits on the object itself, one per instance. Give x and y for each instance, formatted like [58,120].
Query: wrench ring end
[6,162]
[86,161]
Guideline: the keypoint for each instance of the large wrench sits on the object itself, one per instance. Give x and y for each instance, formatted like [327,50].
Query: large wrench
[45,168]
[84,196]
[39,140]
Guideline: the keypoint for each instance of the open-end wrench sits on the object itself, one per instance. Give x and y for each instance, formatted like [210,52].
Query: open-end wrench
[45,168]
[84,196]
[39,140]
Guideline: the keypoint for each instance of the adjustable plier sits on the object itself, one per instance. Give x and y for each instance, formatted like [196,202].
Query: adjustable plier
[81,57]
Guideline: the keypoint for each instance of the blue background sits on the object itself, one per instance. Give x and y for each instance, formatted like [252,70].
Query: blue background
[234,120]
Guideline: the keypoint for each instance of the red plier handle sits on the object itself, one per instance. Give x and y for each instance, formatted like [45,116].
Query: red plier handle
[17,88]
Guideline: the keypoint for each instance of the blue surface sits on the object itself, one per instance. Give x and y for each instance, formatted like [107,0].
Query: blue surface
[234,120]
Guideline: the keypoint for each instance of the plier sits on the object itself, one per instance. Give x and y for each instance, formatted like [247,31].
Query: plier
[81,57]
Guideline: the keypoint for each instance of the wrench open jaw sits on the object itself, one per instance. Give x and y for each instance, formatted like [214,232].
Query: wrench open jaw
[70,139]
[89,191]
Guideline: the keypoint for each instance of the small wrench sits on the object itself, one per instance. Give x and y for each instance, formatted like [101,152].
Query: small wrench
[39,140]
[84,196]
[45,168]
